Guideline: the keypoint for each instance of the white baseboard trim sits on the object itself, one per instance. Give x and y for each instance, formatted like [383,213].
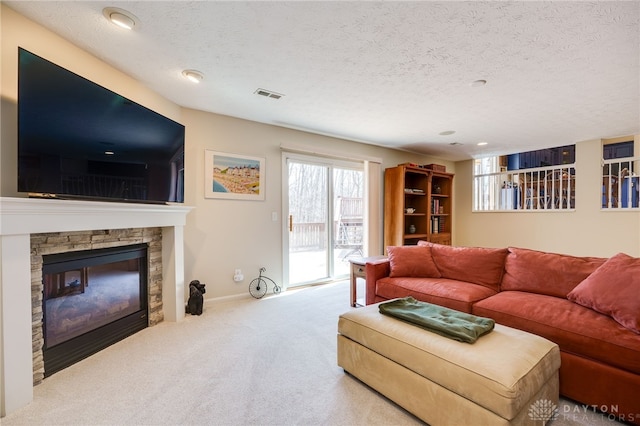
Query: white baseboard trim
[211,300]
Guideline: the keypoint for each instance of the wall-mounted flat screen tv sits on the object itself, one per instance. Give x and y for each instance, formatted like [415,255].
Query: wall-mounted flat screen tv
[77,139]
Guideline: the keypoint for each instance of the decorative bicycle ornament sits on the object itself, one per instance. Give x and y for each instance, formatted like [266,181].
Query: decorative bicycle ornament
[258,286]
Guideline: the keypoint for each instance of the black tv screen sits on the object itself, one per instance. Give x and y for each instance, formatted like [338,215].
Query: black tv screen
[77,139]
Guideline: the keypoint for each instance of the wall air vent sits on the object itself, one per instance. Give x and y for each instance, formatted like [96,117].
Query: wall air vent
[268,94]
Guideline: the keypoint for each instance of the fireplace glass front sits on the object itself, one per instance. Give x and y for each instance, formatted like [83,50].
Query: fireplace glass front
[91,300]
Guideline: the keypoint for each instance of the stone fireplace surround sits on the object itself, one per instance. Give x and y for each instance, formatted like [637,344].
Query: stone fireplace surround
[65,242]
[22,217]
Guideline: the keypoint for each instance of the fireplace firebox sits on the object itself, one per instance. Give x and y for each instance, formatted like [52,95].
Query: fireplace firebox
[91,300]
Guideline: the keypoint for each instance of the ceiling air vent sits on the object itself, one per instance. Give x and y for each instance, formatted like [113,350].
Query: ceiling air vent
[268,94]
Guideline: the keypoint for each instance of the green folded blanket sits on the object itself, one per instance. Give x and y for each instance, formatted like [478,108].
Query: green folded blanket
[438,319]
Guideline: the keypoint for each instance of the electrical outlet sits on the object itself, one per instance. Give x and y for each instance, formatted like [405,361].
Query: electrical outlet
[237,275]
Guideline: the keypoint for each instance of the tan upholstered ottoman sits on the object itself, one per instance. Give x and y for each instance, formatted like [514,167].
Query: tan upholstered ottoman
[507,377]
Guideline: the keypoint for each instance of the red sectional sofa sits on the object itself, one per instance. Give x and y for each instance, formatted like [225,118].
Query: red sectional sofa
[589,306]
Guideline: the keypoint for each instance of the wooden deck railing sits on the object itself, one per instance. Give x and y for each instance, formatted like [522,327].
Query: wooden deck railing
[308,237]
[347,229]
[313,236]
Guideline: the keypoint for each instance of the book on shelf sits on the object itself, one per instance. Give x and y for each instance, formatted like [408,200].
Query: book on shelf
[437,224]
[435,206]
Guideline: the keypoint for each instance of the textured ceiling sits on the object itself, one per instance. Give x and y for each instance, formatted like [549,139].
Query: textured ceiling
[395,74]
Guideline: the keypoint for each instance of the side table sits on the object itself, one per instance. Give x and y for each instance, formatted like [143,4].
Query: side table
[358,271]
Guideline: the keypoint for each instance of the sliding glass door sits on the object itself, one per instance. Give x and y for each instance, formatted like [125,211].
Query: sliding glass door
[325,210]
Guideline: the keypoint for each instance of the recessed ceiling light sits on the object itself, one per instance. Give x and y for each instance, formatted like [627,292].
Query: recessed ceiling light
[447,132]
[478,83]
[109,153]
[193,76]
[121,17]
[483,143]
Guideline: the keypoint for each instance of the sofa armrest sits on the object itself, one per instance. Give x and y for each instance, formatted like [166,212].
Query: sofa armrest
[374,270]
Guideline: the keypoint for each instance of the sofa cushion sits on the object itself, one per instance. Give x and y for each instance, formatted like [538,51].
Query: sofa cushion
[614,290]
[576,329]
[412,261]
[478,265]
[546,273]
[459,295]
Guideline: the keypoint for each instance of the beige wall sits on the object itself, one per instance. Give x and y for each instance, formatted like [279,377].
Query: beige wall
[224,235]
[587,231]
[221,235]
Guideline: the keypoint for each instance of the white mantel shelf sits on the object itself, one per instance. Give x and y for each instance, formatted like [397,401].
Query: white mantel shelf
[38,215]
[21,217]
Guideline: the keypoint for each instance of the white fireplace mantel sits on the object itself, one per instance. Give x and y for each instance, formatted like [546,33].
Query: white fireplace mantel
[21,217]
[36,215]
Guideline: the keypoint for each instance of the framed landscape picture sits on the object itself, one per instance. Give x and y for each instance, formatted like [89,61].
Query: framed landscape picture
[232,176]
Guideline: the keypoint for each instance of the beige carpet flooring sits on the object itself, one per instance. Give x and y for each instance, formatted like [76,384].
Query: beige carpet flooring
[243,362]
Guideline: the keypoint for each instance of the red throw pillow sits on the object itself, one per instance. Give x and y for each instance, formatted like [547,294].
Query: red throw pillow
[478,265]
[547,273]
[613,289]
[412,261]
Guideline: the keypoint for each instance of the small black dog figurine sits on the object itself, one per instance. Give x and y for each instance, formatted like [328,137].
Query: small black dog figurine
[194,305]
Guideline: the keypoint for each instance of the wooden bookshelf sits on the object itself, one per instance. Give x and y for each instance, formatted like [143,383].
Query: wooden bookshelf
[429,194]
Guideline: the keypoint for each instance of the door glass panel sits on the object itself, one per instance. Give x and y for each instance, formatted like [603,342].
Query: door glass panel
[348,226]
[326,218]
[308,218]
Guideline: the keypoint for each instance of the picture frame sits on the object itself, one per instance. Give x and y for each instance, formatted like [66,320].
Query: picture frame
[233,176]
